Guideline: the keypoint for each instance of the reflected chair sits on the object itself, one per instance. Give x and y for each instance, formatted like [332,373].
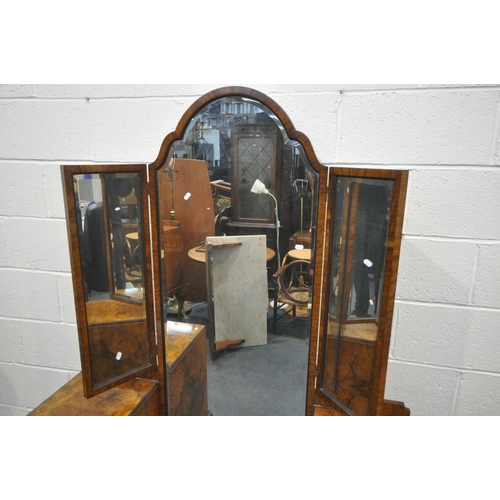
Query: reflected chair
[132,258]
[94,257]
[291,286]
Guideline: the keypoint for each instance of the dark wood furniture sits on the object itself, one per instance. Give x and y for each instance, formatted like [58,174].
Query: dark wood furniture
[137,397]
[186,361]
[255,154]
[171,264]
[301,237]
[119,344]
[186,197]
[362,212]
[118,340]
[186,356]
[116,331]
[348,352]
[291,290]
[329,352]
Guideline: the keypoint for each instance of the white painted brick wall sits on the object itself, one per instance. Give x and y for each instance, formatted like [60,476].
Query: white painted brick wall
[35,129]
[455,203]
[486,286]
[446,336]
[445,345]
[430,127]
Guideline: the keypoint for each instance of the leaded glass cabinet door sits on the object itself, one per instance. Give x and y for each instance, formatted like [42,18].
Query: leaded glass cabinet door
[255,155]
[363,226]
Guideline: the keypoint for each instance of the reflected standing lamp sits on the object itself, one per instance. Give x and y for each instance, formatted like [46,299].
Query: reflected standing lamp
[259,188]
[301,186]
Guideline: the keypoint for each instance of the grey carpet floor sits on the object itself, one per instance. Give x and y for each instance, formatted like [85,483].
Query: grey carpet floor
[266,380]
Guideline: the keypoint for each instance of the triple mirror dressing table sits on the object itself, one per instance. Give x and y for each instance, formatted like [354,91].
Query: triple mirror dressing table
[133,229]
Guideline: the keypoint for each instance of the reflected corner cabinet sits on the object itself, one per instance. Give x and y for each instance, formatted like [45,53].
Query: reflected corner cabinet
[132,229]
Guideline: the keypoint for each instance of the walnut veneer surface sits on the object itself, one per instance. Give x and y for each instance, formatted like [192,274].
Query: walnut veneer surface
[361,330]
[187,384]
[113,311]
[117,328]
[137,397]
[186,356]
[194,213]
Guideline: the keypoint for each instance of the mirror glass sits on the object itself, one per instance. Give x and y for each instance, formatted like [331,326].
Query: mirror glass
[361,221]
[236,173]
[110,235]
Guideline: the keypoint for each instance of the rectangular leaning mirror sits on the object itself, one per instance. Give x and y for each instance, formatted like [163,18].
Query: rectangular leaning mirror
[109,246]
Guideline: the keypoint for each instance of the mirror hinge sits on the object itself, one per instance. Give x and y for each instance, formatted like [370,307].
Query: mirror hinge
[148,186]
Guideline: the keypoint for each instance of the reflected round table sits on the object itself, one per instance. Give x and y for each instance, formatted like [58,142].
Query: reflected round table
[199,254]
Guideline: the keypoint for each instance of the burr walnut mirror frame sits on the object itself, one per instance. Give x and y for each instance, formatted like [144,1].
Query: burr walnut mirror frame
[353,218]
[362,215]
[108,228]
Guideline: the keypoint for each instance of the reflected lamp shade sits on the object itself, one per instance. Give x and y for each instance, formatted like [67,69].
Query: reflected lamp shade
[259,188]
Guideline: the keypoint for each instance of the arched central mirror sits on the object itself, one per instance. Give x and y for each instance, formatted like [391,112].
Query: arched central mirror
[235,196]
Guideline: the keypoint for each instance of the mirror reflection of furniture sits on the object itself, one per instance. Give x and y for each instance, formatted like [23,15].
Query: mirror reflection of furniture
[172,266]
[221,194]
[132,243]
[292,293]
[94,256]
[223,337]
[186,197]
[237,286]
[118,191]
[199,254]
[256,155]
[117,340]
[213,127]
[302,237]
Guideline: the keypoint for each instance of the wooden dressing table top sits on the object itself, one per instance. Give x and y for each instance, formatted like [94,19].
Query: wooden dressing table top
[179,337]
[125,399]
